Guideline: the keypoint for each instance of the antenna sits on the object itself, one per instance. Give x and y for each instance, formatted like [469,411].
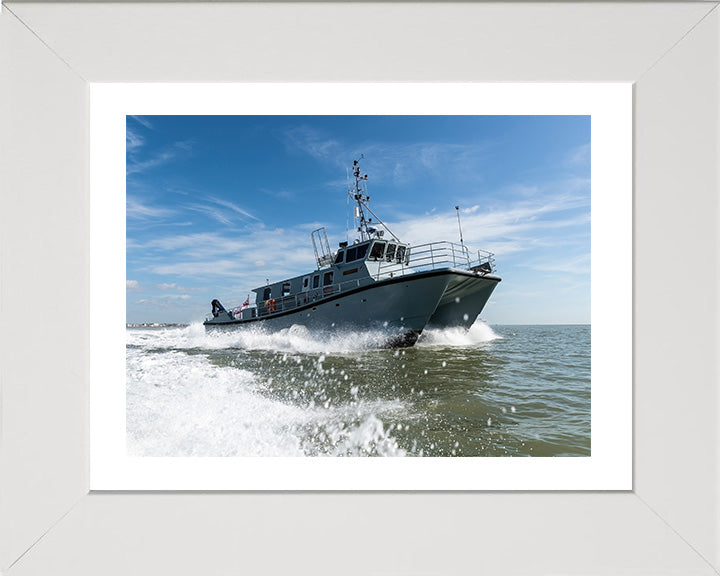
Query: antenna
[347,207]
[457,208]
[360,197]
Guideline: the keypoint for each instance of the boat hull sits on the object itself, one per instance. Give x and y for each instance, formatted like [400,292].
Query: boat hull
[463,300]
[398,308]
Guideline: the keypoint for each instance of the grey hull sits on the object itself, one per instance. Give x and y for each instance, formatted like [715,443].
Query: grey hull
[399,308]
[464,298]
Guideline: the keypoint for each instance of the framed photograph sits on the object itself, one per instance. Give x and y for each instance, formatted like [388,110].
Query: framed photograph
[312,357]
[64,222]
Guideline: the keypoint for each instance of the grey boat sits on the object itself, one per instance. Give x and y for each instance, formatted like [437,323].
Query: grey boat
[376,283]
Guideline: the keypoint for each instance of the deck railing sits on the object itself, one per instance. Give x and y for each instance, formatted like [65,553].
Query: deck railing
[293,301]
[436,256]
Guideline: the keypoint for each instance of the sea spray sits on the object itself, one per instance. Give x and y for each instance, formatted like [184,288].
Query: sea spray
[188,396]
[478,333]
[299,393]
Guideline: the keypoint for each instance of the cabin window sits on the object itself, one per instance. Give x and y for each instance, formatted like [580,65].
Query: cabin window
[339,257]
[390,252]
[266,294]
[327,279]
[351,254]
[286,288]
[377,250]
[361,251]
[316,281]
[400,254]
[306,282]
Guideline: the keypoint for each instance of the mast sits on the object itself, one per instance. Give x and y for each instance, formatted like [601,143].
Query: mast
[364,225]
[358,193]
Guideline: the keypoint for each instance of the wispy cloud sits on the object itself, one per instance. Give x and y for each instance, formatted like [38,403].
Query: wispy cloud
[171,286]
[283,194]
[136,164]
[312,142]
[133,140]
[391,162]
[579,156]
[142,120]
[222,211]
[252,255]
[178,296]
[521,220]
[234,207]
[141,156]
[577,265]
[137,209]
[165,302]
[214,212]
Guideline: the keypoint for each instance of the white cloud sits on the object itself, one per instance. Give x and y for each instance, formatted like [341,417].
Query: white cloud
[312,142]
[132,285]
[172,286]
[391,162]
[526,224]
[222,211]
[134,208]
[133,140]
[577,265]
[247,258]
[234,208]
[135,165]
[580,155]
[143,121]
[165,302]
[213,212]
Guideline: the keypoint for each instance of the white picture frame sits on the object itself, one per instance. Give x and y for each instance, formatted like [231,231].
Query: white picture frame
[668,523]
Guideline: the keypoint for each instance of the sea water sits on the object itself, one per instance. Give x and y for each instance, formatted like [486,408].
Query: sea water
[490,391]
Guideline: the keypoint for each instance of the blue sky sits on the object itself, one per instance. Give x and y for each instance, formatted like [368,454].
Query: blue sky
[218,204]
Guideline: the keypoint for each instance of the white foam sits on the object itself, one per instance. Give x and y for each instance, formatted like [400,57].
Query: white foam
[479,333]
[296,339]
[181,404]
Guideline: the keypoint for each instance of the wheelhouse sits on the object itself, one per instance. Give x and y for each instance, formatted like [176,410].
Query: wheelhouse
[373,251]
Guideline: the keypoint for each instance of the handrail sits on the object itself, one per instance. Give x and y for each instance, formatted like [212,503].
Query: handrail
[438,255]
[293,301]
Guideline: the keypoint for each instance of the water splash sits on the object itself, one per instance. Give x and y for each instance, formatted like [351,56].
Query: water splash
[296,339]
[185,402]
[478,333]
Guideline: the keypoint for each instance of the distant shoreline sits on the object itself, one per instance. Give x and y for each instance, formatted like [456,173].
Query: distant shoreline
[185,325]
[156,325]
